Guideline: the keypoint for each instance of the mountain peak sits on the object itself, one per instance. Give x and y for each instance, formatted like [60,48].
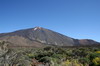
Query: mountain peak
[37,28]
[38,36]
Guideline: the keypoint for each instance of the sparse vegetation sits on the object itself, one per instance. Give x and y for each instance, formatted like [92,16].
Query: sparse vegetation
[49,56]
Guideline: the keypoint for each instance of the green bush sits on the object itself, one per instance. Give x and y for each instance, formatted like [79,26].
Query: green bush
[45,59]
[84,60]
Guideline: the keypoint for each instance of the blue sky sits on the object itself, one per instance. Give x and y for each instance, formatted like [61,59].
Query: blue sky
[75,18]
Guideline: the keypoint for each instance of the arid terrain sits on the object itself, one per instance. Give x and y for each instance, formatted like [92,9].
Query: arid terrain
[43,47]
[48,56]
[39,37]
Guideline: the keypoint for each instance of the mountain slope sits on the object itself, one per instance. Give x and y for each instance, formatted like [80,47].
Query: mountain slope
[39,36]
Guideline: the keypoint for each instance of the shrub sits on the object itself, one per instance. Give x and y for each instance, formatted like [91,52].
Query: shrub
[97,51]
[45,59]
[93,55]
[84,60]
[31,56]
[96,61]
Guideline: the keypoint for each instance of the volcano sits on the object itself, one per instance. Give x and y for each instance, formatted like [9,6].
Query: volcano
[39,36]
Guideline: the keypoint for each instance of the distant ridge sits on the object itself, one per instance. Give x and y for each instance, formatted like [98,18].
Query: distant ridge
[39,37]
